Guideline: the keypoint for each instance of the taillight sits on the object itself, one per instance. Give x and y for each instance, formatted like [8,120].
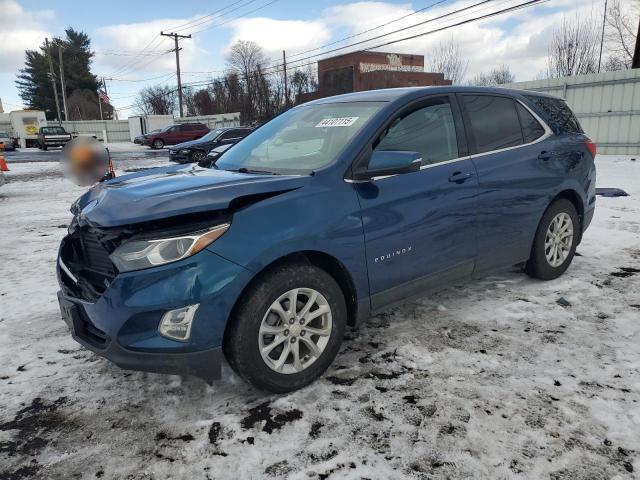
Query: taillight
[591,147]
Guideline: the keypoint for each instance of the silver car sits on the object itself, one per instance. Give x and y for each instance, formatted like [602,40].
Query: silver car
[7,141]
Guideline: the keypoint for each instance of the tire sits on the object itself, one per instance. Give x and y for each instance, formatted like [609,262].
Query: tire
[244,338]
[198,156]
[543,263]
[157,144]
[44,147]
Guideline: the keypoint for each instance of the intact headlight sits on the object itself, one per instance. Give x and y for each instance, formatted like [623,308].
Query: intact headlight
[185,151]
[139,254]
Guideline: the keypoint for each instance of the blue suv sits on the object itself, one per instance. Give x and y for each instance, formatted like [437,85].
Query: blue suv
[330,212]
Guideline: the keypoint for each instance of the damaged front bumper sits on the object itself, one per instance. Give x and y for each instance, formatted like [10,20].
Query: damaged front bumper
[122,324]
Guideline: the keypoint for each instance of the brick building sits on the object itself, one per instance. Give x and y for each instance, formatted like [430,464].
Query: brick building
[357,71]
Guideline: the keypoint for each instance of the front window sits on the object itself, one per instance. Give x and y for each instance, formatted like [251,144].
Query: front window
[53,130]
[212,135]
[301,140]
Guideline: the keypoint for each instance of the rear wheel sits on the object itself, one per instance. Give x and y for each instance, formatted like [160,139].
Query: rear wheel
[287,329]
[157,143]
[555,242]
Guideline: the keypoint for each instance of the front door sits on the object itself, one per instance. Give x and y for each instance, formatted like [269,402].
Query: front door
[420,228]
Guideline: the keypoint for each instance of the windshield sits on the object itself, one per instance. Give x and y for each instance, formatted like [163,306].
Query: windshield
[53,130]
[211,135]
[301,140]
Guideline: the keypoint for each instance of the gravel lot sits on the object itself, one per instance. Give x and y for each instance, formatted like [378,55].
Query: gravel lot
[495,379]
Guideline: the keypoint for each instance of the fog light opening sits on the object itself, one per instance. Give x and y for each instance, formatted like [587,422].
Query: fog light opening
[176,324]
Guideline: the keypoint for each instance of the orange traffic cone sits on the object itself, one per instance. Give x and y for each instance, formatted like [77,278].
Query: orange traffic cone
[3,163]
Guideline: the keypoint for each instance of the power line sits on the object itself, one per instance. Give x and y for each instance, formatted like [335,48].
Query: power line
[197,23]
[512,8]
[129,65]
[370,29]
[429,32]
[398,30]
[277,66]
[235,18]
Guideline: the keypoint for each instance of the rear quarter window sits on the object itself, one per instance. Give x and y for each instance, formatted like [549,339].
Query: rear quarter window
[531,128]
[557,114]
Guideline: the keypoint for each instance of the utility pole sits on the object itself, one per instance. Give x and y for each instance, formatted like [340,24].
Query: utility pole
[64,92]
[53,80]
[177,50]
[604,22]
[635,63]
[286,88]
[104,84]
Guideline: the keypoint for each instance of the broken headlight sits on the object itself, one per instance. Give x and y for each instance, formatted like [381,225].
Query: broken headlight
[139,254]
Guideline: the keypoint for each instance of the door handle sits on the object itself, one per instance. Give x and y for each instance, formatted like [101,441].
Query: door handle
[460,177]
[544,156]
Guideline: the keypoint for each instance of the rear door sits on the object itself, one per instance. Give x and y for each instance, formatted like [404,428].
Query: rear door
[172,136]
[510,147]
[420,228]
[187,132]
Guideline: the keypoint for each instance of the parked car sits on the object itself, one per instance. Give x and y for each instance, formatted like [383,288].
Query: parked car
[328,213]
[139,140]
[213,155]
[7,142]
[54,136]
[196,150]
[174,134]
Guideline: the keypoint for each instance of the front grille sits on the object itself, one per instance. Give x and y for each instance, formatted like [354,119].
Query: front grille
[87,258]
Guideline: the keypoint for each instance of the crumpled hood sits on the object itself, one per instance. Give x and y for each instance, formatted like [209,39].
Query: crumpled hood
[171,191]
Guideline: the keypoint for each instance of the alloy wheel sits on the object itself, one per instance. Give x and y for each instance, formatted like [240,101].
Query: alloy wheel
[559,239]
[295,330]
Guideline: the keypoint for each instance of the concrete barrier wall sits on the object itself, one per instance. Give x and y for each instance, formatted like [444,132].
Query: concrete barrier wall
[118,130]
[104,130]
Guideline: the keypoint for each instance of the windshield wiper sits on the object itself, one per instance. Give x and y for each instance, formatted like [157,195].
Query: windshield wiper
[251,170]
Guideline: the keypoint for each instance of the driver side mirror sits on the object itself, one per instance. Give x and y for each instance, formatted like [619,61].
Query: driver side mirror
[389,162]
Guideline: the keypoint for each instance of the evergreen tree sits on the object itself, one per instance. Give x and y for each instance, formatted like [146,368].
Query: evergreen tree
[34,82]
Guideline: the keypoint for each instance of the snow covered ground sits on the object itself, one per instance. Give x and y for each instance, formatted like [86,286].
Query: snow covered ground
[491,380]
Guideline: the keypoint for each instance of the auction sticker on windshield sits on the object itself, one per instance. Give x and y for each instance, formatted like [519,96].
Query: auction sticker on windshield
[337,122]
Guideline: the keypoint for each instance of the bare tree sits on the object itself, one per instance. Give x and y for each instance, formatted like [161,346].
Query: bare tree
[447,58]
[157,100]
[621,24]
[573,49]
[497,76]
[244,59]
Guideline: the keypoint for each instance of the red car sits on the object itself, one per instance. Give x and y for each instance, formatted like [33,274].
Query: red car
[173,134]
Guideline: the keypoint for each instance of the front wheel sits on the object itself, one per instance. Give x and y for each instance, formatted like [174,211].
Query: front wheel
[198,156]
[555,242]
[158,144]
[287,329]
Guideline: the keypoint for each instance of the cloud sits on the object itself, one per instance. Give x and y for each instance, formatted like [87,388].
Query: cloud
[21,30]
[518,39]
[115,45]
[277,35]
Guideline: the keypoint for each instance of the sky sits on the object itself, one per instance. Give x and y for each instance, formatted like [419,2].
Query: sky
[130,54]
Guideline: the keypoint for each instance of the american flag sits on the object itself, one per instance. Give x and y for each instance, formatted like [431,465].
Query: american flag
[103,96]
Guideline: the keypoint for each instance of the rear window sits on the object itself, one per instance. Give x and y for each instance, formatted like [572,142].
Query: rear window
[557,113]
[494,122]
